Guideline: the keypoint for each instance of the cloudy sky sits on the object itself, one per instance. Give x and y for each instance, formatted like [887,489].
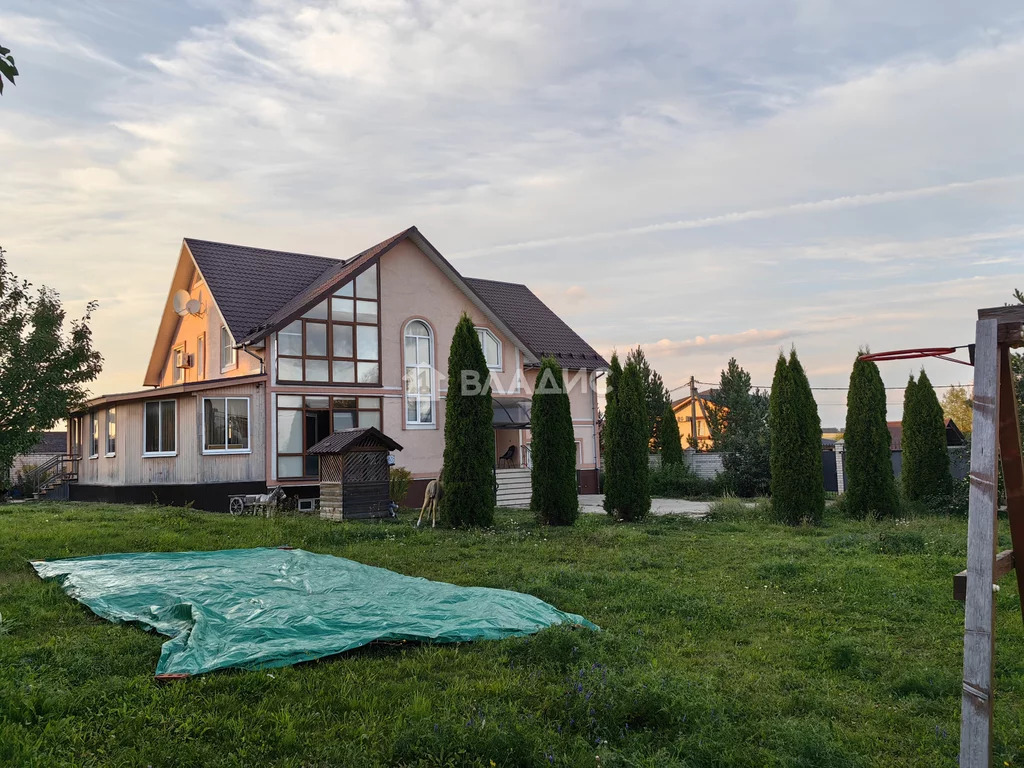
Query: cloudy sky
[706,179]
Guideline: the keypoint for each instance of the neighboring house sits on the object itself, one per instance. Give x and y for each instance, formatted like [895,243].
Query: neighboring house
[831,433]
[692,417]
[954,437]
[261,354]
[50,445]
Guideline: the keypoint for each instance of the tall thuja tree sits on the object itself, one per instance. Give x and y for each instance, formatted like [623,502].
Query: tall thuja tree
[925,470]
[812,485]
[656,396]
[870,487]
[797,482]
[43,370]
[468,474]
[611,397]
[553,448]
[671,445]
[738,422]
[628,474]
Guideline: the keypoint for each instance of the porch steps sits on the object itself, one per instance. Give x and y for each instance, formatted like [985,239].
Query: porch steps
[514,488]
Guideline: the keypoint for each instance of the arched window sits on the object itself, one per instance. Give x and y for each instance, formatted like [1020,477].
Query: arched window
[419,373]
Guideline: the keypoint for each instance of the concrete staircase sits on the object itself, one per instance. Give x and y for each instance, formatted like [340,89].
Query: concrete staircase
[514,488]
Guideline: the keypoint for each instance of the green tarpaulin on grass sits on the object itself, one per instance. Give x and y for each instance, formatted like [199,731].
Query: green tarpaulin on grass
[274,607]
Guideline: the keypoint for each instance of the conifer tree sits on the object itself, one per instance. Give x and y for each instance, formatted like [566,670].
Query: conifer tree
[797,481]
[925,470]
[870,487]
[812,485]
[612,381]
[655,393]
[553,447]
[671,446]
[468,474]
[627,476]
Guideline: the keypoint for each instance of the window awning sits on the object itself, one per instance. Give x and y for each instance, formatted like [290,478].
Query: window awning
[511,412]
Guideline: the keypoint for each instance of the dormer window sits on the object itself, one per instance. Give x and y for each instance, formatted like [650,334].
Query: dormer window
[491,345]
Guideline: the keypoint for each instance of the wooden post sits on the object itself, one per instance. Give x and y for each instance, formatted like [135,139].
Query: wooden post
[979,611]
[1010,456]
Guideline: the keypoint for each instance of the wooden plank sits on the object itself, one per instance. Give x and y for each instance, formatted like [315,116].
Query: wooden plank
[1010,333]
[979,610]
[1010,457]
[1013,312]
[1004,564]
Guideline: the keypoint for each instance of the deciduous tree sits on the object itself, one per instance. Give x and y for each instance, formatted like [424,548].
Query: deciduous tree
[468,473]
[43,369]
[7,68]
[957,405]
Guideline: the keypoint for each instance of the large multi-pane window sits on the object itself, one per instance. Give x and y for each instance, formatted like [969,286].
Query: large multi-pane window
[159,427]
[303,421]
[337,341]
[419,373]
[225,424]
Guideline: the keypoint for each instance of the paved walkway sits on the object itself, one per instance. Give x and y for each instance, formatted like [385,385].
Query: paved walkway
[594,504]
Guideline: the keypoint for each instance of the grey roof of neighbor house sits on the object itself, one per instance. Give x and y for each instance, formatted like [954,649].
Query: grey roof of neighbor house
[255,289]
[50,442]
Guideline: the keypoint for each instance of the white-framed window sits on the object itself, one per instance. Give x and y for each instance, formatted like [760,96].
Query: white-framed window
[419,373]
[177,362]
[159,428]
[228,353]
[492,348]
[226,425]
[111,431]
[94,437]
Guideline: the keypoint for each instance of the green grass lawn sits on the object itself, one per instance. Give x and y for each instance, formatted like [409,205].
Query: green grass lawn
[728,643]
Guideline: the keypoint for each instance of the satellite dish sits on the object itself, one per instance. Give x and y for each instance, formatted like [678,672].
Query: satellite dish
[194,307]
[181,300]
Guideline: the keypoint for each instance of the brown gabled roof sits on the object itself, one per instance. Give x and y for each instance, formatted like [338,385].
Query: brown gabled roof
[358,437]
[259,291]
[328,280]
[251,284]
[543,332]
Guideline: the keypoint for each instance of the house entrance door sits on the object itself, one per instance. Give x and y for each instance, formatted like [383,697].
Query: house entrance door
[318,426]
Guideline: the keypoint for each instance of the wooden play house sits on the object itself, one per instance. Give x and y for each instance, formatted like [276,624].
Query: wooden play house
[354,474]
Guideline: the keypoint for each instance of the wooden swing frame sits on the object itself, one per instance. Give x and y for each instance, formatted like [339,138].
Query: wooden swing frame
[995,439]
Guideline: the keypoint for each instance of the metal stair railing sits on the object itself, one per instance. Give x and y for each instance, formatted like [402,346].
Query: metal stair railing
[57,471]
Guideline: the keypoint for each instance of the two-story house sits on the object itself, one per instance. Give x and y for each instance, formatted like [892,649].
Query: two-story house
[261,354]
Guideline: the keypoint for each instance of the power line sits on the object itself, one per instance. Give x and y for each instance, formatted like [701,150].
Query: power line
[830,389]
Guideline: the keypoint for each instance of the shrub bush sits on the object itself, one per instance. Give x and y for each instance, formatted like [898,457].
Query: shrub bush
[399,482]
[679,481]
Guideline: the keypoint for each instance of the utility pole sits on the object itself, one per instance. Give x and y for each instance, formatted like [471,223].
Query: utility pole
[693,414]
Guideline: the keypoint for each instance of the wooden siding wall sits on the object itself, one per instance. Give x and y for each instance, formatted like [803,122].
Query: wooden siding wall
[130,467]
